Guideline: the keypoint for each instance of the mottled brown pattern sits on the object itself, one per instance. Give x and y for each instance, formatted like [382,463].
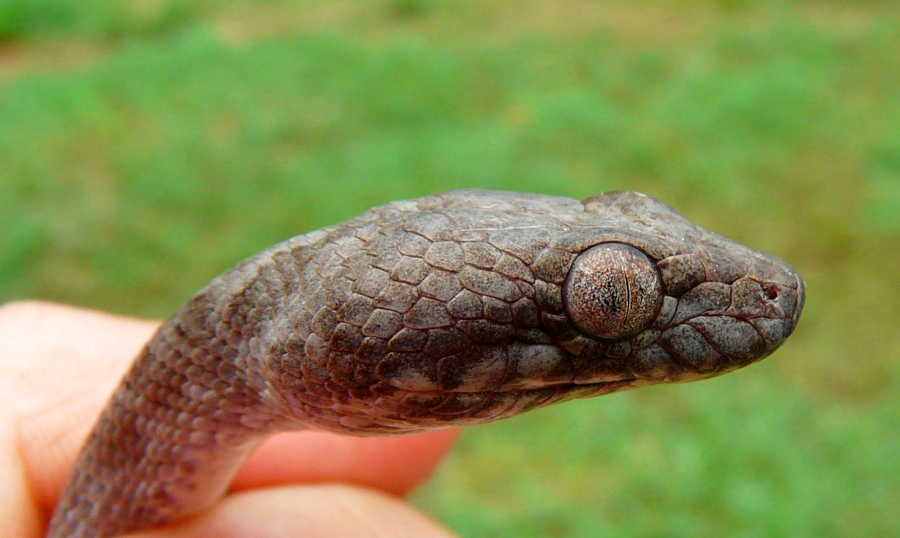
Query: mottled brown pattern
[442,311]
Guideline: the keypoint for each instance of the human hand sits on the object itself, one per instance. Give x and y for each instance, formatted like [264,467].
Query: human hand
[58,366]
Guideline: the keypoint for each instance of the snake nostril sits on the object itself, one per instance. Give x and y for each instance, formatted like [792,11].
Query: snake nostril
[771,292]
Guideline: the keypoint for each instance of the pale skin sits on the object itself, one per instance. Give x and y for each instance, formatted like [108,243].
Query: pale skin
[58,366]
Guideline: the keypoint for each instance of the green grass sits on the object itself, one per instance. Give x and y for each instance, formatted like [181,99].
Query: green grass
[192,134]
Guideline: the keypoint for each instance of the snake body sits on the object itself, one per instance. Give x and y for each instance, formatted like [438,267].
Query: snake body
[453,309]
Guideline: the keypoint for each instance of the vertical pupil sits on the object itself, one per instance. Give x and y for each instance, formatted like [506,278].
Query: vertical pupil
[598,296]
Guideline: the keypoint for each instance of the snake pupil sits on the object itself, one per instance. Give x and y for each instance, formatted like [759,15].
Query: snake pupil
[612,291]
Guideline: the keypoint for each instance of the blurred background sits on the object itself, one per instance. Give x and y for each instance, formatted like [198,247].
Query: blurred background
[147,145]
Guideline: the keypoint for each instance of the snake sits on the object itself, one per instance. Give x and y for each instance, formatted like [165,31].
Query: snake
[452,309]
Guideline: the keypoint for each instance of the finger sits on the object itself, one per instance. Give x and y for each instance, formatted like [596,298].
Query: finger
[59,365]
[40,366]
[307,512]
[66,361]
[392,464]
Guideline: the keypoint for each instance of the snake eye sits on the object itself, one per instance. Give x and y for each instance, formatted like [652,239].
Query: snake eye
[612,291]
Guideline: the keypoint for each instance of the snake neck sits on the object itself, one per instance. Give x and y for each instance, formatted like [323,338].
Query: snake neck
[174,433]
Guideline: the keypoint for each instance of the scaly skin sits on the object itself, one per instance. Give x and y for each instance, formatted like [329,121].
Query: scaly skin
[454,309]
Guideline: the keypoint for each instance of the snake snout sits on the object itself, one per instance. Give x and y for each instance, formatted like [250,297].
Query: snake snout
[770,297]
[725,323]
[764,307]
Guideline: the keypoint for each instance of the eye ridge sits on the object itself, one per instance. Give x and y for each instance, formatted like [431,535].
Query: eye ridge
[598,296]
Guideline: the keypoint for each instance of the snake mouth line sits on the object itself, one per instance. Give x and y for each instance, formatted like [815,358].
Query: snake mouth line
[568,386]
[550,386]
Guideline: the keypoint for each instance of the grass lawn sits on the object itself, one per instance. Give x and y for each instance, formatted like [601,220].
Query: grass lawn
[146,146]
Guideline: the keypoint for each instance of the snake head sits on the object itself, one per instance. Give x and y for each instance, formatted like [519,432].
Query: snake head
[670,301]
[470,306]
